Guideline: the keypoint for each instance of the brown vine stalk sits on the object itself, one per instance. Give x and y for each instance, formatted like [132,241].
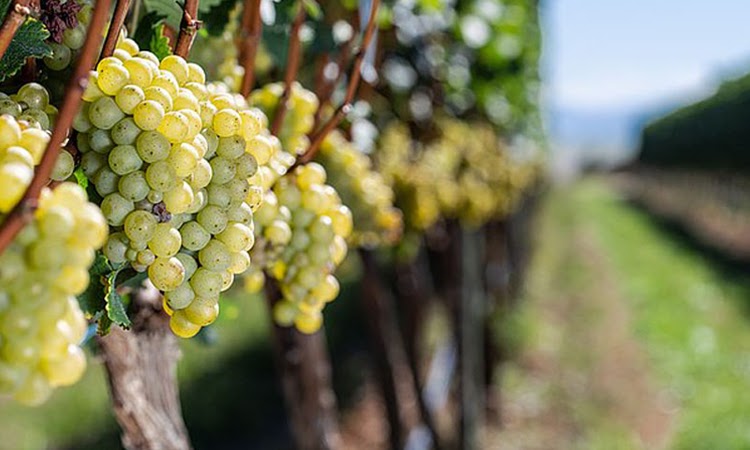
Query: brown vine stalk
[17,13]
[251,33]
[316,139]
[292,67]
[188,28]
[23,211]
[118,19]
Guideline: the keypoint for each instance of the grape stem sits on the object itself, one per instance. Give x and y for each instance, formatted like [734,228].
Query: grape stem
[188,28]
[251,33]
[317,138]
[118,19]
[16,16]
[292,67]
[23,211]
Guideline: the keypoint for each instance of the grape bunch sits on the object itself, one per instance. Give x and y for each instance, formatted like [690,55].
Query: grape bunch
[308,227]
[172,162]
[300,113]
[30,104]
[414,182]
[451,176]
[41,272]
[67,22]
[376,220]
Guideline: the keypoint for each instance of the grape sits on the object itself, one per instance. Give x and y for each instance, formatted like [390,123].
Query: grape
[129,97]
[124,159]
[166,240]
[116,208]
[194,236]
[227,122]
[159,95]
[43,269]
[148,114]
[33,95]
[125,132]
[104,113]
[213,219]
[215,256]
[161,176]
[64,166]
[206,283]
[202,311]
[140,226]
[105,181]
[166,273]
[112,77]
[152,146]
[139,71]
[60,57]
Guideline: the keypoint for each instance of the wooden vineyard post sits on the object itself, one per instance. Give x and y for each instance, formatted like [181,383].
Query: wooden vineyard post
[496,280]
[412,294]
[304,368]
[141,366]
[471,341]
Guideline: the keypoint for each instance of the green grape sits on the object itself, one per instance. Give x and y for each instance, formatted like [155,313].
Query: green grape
[213,219]
[129,97]
[105,181]
[206,283]
[166,240]
[215,256]
[104,113]
[116,208]
[166,273]
[60,57]
[64,167]
[140,226]
[194,236]
[124,159]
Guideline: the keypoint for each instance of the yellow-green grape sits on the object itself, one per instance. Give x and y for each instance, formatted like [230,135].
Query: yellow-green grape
[375,219]
[301,229]
[41,272]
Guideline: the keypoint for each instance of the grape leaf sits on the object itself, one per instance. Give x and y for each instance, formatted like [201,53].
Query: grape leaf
[169,9]
[81,178]
[115,306]
[91,300]
[215,20]
[29,42]
[146,26]
[159,44]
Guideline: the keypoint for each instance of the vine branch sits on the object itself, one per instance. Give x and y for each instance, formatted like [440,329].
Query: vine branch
[17,14]
[188,28]
[292,67]
[251,32]
[118,19]
[316,139]
[23,211]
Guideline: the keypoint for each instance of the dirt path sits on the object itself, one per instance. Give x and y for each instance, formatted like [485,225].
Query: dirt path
[583,381]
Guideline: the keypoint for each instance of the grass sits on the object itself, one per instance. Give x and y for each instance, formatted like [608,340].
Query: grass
[688,316]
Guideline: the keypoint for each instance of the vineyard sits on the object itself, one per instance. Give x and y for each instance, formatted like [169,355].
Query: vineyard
[209,209]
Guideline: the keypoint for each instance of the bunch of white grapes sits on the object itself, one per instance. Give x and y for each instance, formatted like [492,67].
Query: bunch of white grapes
[299,119]
[172,162]
[31,104]
[41,272]
[68,34]
[376,220]
[311,226]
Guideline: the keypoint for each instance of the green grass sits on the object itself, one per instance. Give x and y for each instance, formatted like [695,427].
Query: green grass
[689,316]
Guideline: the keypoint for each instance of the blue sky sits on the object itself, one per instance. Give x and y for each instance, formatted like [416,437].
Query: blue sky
[623,54]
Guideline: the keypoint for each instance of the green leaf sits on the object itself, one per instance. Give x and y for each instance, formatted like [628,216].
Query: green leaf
[146,27]
[169,9]
[159,44]
[313,9]
[92,300]
[115,307]
[276,40]
[29,42]
[81,178]
[216,19]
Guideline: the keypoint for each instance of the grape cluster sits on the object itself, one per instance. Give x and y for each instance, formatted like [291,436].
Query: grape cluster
[300,113]
[30,104]
[67,25]
[41,272]
[305,223]
[172,162]
[46,266]
[376,220]
[451,176]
